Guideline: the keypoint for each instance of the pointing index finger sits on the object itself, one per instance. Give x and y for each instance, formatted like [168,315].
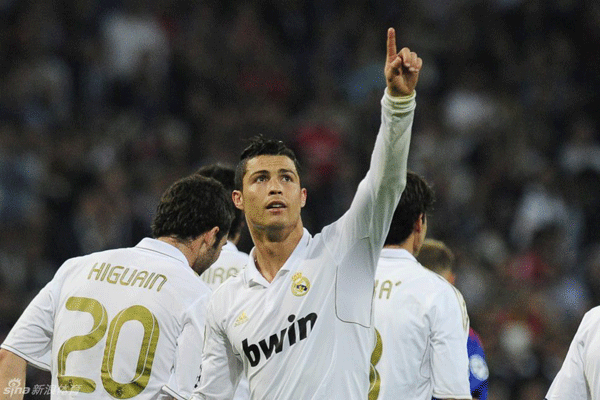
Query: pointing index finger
[391,44]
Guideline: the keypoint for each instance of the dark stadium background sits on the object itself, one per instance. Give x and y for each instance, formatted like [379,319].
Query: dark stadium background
[105,103]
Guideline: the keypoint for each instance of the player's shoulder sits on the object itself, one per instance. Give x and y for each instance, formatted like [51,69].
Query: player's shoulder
[230,286]
[591,319]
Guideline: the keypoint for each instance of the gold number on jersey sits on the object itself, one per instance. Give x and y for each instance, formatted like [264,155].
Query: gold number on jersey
[146,356]
[80,343]
[84,342]
[374,377]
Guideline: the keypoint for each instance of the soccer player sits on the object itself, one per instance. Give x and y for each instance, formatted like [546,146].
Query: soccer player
[297,321]
[231,261]
[420,318]
[579,376]
[128,323]
[436,256]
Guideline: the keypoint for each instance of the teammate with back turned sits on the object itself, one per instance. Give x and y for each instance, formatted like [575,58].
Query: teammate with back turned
[297,322]
[438,257]
[231,261]
[421,319]
[127,323]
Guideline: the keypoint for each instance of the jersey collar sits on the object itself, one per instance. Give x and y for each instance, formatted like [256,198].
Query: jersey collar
[166,249]
[253,277]
[229,246]
[397,254]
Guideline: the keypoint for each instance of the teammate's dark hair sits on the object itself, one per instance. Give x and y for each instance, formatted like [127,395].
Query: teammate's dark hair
[436,256]
[261,146]
[417,199]
[225,175]
[192,206]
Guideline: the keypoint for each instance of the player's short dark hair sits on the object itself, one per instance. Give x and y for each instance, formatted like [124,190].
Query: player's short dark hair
[192,206]
[418,198]
[261,146]
[225,175]
[436,256]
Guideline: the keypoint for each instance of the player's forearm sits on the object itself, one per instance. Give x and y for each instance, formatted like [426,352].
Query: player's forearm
[390,154]
[12,375]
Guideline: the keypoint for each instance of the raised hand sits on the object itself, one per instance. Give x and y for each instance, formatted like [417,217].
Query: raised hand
[401,68]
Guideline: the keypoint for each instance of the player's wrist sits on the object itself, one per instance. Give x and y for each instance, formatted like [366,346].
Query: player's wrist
[399,103]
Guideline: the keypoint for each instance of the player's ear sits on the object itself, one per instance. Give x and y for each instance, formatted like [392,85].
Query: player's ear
[419,223]
[210,236]
[303,195]
[238,199]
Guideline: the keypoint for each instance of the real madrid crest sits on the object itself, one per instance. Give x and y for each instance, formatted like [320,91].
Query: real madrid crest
[300,284]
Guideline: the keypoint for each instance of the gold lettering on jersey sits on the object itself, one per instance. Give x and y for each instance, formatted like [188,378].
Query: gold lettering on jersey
[124,282]
[218,275]
[162,282]
[120,275]
[385,288]
[140,277]
[300,284]
[113,275]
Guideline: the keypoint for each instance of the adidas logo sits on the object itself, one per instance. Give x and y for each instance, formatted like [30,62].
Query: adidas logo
[241,319]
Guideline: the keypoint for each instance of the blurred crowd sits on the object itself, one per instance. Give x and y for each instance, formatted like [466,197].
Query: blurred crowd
[103,103]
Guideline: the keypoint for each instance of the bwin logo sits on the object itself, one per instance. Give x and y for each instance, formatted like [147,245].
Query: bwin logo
[275,342]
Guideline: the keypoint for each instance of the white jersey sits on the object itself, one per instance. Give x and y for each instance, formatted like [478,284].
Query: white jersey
[424,327]
[230,263]
[308,334]
[579,376]
[122,323]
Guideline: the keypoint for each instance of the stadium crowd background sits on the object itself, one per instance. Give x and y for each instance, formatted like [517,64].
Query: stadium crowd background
[103,103]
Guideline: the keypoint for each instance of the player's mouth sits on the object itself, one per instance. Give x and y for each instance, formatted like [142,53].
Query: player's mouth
[276,206]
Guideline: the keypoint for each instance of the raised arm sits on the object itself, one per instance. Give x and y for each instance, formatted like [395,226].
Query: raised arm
[356,239]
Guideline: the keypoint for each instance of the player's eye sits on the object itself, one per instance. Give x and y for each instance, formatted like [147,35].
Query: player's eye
[286,178]
[261,178]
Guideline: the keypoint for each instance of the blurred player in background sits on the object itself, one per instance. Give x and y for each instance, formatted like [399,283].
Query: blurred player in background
[297,321]
[127,323]
[436,256]
[231,261]
[421,319]
[579,376]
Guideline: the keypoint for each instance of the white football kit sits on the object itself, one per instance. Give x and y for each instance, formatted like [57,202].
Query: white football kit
[423,329]
[579,376]
[308,334]
[230,263]
[121,323]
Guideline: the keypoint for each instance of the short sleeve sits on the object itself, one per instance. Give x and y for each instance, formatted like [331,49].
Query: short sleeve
[31,337]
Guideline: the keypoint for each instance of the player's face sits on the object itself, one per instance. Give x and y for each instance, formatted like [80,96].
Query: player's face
[271,195]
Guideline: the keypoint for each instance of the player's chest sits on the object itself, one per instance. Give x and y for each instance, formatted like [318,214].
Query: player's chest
[268,320]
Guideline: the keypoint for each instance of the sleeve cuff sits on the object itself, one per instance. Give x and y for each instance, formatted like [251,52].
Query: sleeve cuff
[399,104]
[31,360]
[172,393]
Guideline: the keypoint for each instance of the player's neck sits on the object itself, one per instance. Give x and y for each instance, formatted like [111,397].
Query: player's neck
[407,245]
[185,248]
[273,248]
